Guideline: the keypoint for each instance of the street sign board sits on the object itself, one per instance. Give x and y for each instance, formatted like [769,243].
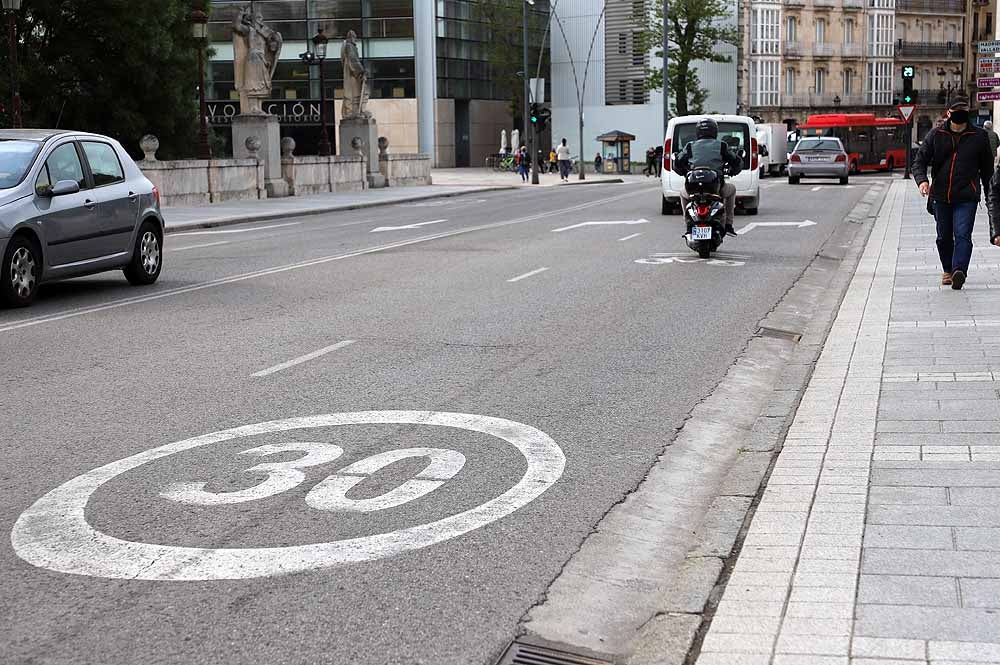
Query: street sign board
[989,65]
[988,96]
[536,90]
[988,82]
[990,47]
[906,110]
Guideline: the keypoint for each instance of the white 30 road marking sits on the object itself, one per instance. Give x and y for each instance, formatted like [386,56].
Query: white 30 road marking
[54,533]
[582,224]
[233,279]
[666,260]
[301,359]
[229,231]
[527,275]
[408,226]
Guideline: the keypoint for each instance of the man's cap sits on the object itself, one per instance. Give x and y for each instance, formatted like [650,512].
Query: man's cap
[959,104]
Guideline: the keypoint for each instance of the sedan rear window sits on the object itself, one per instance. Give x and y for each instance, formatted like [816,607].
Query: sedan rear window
[16,158]
[818,144]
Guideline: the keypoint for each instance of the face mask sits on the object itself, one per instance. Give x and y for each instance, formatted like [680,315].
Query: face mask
[960,117]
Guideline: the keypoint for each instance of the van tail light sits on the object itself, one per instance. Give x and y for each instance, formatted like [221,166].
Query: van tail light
[841,158]
[156,196]
[755,158]
[666,154]
[704,209]
[795,158]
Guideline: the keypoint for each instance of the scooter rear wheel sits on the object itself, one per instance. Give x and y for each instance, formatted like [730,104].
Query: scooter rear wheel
[704,249]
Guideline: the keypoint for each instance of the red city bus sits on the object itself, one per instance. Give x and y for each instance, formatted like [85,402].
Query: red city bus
[872,144]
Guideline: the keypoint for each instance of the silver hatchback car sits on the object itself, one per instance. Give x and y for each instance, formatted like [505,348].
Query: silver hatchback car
[822,157]
[72,204]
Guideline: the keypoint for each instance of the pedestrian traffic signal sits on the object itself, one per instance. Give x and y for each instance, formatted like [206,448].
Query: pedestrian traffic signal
[533,113]
[909,72]
[539,116]
[909,95]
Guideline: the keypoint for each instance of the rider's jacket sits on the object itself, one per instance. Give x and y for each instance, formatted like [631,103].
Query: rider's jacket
[709,154]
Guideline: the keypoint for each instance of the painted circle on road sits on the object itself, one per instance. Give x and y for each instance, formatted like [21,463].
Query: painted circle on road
[54,534]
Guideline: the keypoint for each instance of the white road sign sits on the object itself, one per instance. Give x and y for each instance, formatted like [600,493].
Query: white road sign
[54,533]
[990,47]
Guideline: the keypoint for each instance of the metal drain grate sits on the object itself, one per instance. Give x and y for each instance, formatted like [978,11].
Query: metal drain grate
[779,334]
[519,653]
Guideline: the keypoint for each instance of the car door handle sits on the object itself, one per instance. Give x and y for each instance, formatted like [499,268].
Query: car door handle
[132,196]
[89,204]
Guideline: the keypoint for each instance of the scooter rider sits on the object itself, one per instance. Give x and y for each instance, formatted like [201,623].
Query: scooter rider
[708,152]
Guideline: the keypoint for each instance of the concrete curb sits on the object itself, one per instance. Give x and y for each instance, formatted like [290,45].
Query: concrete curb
[231,220]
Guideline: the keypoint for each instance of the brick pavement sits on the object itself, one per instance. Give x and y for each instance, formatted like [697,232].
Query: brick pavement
[877,539]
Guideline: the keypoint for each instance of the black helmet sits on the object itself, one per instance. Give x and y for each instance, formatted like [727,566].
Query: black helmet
[707,129]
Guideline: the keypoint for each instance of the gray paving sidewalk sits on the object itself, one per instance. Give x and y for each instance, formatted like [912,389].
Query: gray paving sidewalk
[877,539]
[237,212]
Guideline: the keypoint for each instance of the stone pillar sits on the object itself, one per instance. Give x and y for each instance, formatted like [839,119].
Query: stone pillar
[425,61]
[267,129]
[362,132]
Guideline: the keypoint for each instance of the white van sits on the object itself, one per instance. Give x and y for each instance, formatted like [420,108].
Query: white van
[737,130]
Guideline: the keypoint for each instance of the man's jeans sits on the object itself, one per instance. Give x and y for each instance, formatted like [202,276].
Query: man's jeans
[954,234]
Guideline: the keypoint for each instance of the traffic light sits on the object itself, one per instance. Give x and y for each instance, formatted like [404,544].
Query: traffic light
[909,94]
[533,113]
[539,116]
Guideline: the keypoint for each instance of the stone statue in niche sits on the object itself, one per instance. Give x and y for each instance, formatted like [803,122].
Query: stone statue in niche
[256,49]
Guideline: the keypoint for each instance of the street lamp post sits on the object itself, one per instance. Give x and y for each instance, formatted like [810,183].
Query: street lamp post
[11,7]
[319,48]
[199,30]
[528,129]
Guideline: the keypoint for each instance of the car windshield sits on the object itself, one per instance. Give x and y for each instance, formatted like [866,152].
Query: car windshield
[818,144]
[15,159]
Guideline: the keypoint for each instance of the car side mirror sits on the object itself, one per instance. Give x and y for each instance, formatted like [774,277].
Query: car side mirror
[62,188]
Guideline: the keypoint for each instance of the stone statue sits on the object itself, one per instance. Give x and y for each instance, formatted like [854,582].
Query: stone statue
[256,48]
[355,80]
[515,140]
[503,141]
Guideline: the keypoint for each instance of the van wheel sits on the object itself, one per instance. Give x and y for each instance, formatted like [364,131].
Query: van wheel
[793,179]
[750,211]
[891,165]
[854,167]
[147,256]
[845,180]
[20,273]
[665,207]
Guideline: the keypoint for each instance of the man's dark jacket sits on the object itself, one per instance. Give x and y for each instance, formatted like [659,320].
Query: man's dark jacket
[960,164]
[708,153]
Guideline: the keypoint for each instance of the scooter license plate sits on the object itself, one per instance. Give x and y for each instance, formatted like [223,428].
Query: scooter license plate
[701,233]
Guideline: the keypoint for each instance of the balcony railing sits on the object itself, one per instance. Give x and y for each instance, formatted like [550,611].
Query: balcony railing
[824,4]
[792,50]
[852,50]
[826,100]
[943,50]
[855,5]
[931,6]
[794,3]
[824,49]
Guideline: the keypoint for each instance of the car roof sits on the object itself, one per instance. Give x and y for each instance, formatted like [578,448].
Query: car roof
[40,134]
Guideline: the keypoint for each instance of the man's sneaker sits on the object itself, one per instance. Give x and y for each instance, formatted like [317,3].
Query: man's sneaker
[957,280]
[946,279]
[730,231]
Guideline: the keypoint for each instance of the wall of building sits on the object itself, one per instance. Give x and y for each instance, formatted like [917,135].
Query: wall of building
[487,119]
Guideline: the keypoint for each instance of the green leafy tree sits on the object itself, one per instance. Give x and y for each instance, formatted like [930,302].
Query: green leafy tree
[695,29]
[118,67]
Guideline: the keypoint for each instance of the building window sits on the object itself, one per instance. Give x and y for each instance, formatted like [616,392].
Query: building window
[789,81]
[901,31]
[638,57]
[622,43]
[880,35]
[765,28]
[821,31]
[849,31]
[925,32]
[953,33]
[848,82]
[764,81]
[880,82]
[820,81]
[791,29]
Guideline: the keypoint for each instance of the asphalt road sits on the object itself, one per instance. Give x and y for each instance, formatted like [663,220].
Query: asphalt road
[483,310]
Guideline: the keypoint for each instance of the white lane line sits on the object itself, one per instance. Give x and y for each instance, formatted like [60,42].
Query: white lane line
[167,293]
[301,359]
[407,226]
[527,275]
[206,244]
[634,235]
[816,188]
[228,231]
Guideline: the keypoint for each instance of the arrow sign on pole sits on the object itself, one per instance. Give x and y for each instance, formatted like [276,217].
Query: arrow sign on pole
[906,110]
[626,222]
[408,226]
[800,225]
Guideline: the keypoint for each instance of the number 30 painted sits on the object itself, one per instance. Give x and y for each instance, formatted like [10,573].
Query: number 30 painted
[330,493]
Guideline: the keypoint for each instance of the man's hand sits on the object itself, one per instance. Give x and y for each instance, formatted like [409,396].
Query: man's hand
[925,188]
[996,241]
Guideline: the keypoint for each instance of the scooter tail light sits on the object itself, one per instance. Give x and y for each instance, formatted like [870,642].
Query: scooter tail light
[755,158]
[666,154]
[704,209]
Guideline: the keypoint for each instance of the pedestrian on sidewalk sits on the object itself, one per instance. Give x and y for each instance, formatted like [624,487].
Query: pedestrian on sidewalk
[598,163]
[562,154]
[959,158]
[522,163]
[994,139]
[553,162]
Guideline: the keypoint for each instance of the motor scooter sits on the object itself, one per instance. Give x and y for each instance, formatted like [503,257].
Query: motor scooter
[705,211]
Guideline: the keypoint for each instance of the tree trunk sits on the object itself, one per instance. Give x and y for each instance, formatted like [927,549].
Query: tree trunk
[680,90]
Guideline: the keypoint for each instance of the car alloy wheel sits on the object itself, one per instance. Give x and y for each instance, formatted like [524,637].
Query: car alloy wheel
[22,272]
[149,251]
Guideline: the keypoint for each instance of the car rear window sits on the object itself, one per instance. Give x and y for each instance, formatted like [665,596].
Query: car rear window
[818,144]
[16,157]
[736,134]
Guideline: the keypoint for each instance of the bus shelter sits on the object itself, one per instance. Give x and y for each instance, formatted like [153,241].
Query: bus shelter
[616,148]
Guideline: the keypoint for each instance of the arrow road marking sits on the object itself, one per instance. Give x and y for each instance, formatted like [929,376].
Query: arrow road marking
[576,226]
[750,227]
[408,226]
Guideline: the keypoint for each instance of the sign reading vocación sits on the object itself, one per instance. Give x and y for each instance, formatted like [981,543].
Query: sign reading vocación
[288,111]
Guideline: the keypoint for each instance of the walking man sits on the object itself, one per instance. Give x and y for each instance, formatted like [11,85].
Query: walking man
[994,139]
[523,165]
[960,162]
[562,154]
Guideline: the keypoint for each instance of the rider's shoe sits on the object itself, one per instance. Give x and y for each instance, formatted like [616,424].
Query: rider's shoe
[730,231]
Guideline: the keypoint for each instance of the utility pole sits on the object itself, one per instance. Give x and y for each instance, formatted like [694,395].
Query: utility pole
[666,44]
[528,129]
